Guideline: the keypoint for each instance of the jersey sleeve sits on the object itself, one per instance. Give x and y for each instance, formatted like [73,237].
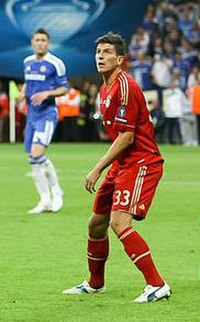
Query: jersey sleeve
[127,113]
[61,76]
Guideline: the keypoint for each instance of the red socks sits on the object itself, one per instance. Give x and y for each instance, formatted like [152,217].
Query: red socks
[136,248]
[139,252]
[98,250]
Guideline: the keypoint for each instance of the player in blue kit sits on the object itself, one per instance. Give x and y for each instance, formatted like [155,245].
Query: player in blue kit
[45,78]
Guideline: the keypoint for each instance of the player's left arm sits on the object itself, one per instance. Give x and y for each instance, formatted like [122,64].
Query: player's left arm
[118,146]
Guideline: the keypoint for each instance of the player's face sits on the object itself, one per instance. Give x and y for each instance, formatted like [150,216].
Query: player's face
[40,43]
[107,58]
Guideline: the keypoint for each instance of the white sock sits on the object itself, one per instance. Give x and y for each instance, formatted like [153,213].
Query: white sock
[41,183]
[51,176]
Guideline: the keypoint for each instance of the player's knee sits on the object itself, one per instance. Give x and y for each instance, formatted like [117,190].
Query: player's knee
[93,225]
[37,150]
[115,225]
[118,225]
[37,160]
[97,228]
[120,220]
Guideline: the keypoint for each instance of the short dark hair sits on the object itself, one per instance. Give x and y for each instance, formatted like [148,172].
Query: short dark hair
[113,39]
[42,31]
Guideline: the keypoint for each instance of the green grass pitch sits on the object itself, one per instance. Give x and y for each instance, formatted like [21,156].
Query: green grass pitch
[42,255]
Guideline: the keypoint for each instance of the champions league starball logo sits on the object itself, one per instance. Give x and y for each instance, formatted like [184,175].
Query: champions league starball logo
[61,18]
[43,69]
[122,111]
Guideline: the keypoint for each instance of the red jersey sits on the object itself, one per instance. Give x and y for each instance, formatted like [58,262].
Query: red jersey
[124,109]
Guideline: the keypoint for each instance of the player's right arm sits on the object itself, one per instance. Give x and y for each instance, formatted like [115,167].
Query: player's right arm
[38,98]
[118,146]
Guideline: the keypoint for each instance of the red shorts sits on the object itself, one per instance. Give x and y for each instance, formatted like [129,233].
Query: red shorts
[128,189]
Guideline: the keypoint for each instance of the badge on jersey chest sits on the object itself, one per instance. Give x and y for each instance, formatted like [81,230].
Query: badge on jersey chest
[121,115]
[43,69]
[122,111]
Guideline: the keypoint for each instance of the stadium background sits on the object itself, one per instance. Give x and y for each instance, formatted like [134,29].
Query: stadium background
[162,55]
[39,254]
[73,26]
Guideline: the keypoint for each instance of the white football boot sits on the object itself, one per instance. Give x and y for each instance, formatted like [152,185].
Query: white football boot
[154,293]
[83,288]
[57,198]
[40,208]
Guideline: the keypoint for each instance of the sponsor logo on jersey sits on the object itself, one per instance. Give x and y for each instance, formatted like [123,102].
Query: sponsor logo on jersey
[43,69]
[122,111]
[28,68]
[35,77]
[107,101]
[119,119]
[142,207]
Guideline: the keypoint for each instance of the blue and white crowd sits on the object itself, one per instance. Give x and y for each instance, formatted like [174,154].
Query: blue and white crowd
[164,59]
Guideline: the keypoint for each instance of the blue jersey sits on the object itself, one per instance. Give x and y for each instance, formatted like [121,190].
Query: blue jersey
[46,74]
[142,74]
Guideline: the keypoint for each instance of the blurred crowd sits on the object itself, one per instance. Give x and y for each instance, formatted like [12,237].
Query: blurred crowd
[163,57]
[79,115]
[4,112]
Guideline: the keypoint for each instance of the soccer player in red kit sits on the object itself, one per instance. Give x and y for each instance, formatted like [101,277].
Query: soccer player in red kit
[130,183]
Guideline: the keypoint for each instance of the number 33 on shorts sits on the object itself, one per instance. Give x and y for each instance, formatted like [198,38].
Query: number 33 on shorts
[121,198]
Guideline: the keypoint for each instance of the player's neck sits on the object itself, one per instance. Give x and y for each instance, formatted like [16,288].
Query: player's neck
[40,56]
[110,77]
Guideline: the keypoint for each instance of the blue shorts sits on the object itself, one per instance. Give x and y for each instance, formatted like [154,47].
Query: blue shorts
[40,132]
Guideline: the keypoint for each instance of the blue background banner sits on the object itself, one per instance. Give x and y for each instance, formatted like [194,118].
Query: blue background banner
[73,26]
